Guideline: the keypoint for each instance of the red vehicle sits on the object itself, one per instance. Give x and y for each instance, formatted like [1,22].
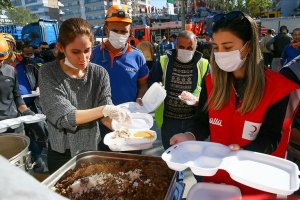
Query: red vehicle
[160,29]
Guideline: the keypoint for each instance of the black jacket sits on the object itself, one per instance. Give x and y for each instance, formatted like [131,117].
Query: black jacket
[279,42]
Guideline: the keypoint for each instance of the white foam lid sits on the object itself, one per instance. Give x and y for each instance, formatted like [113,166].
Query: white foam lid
[257,170]
[140,121]
[211,191]
[154,96]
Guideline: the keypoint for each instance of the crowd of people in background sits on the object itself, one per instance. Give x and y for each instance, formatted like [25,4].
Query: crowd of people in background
[80,86]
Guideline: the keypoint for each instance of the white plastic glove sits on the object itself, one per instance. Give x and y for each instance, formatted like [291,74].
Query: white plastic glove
[188,98]
[116,113]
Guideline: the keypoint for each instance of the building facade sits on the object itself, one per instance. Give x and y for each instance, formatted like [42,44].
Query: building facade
[94,10]
[45,9]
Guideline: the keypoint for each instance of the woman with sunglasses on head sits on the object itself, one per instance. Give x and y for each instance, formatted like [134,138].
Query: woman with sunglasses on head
[74,95]
[242,104]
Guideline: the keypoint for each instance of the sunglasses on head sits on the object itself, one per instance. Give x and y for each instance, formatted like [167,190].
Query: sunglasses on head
[234,15]
[120,13]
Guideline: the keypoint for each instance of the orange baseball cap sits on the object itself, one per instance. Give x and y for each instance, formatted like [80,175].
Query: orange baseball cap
[118,13]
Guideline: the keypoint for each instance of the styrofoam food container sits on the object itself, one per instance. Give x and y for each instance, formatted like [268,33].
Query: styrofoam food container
[140,121]
[154,96]
[203,158]
[29,119]
[12,123]
[131,143]
[262,171]
[3,127]
[211,191]
[257,170]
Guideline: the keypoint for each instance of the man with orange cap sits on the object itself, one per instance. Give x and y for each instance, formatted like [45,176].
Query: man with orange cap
[125,64]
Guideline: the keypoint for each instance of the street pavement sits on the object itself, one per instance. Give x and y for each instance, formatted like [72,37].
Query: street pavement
[157,150]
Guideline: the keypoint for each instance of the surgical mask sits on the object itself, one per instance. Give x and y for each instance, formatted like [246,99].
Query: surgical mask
[185,56]
[118,41]
[230,61]
[67,62]
[32,56]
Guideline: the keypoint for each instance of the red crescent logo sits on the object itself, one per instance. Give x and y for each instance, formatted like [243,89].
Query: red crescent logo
[255,129]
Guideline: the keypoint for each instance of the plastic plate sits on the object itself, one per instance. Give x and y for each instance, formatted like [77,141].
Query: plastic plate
[29,119]
[3,127]
[12,123]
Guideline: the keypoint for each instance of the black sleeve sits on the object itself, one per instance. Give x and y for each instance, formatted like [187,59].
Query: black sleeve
[17,97]
[201,126]
[269,134]
[156,73]
[288,73]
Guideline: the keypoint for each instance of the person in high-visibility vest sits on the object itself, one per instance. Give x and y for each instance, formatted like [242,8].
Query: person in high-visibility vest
[181,69]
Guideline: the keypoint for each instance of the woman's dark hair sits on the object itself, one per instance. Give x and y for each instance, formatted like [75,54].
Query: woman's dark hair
[70,29]
[239,26]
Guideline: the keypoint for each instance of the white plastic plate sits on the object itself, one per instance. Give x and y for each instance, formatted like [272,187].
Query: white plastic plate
[131,143]
[260,171]
[33,94]
[140,121]
[29,119]
[211,191]
[12,123]
[3,127]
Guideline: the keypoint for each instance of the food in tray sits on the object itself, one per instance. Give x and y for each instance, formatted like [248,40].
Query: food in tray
[144,134]
[129,179]
[188,98]
[122,133]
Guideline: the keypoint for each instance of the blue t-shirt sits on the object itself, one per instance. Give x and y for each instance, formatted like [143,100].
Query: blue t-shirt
[289,53]
[24,86]
[124,69]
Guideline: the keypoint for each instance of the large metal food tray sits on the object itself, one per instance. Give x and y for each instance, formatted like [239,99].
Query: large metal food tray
[175,189]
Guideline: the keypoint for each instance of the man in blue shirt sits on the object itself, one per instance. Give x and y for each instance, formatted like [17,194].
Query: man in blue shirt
[125,65]
[292,50]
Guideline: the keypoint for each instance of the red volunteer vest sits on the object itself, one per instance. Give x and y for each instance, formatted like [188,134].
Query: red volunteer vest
[228,126]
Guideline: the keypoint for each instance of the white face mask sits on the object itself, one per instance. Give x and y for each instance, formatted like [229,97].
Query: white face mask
[230,61]
[185,56]
[67,62]
[32,56]
[118,41]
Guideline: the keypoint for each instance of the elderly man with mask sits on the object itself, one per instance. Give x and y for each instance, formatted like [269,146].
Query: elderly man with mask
[181,71]
[125,64]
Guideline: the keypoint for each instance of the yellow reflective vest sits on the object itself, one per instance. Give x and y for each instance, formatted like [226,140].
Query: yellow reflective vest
[202,66]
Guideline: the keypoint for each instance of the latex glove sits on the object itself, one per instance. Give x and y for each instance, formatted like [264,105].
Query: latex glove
[116,113]
[188,98]
[181,137]
[27,112]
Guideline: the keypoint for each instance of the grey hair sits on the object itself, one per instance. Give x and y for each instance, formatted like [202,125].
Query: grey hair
[188,35]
